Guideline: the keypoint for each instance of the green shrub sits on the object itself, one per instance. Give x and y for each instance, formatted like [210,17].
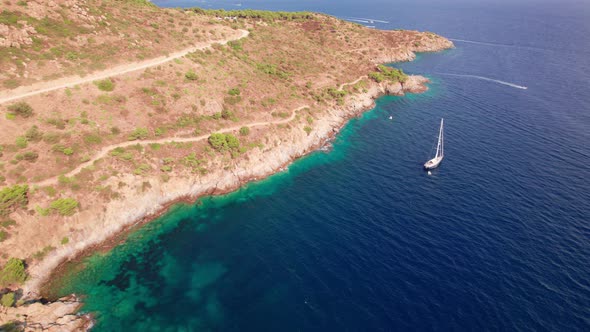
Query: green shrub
[244,131]
[105,85]
[13,272]
[12,198]
[191,75]
[61,148]
[43,212]
[51,138]
[377,77]
[224,142]
[92,139]
[117,151]
[7,223]
[30,156]
[227,114]
[236,45]
[7,300]
[21,142]
[139,133]
[234,92]
[21,109]
[65,240]
[68,151]
[232,142]
[218,142]
[3,235]
[64,206]
[33,134]
[388,73]
[307,129]
[159,131]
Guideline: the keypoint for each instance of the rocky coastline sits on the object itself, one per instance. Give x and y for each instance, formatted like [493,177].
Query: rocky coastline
[120,219]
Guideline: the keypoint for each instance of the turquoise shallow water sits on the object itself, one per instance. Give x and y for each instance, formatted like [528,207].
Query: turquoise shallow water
[360,237]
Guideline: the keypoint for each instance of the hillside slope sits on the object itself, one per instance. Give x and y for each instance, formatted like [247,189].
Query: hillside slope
[83,163]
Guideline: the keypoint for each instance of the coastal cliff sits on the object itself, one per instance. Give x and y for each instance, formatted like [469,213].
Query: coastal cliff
[283,91]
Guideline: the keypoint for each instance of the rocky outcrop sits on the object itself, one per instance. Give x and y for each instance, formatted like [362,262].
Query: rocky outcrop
[60,315]
[18,36]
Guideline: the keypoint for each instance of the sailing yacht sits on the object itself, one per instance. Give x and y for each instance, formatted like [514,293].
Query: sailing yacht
[440,150]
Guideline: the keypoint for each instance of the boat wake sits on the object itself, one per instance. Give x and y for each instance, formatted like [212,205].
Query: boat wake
[479,43]
[364,20]
[486,79]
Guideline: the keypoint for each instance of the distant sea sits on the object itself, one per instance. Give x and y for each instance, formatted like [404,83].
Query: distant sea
[360,238]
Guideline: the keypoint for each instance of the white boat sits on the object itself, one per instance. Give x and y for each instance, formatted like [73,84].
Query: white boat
[440,150]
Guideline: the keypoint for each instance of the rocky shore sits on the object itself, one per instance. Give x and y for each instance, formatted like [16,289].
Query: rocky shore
[61,315]
[326,98]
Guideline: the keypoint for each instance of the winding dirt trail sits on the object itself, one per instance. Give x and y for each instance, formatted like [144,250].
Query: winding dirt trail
[42,87]
[105,150]
[351,83]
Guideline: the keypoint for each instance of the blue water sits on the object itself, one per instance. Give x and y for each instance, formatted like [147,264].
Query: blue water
[361,238]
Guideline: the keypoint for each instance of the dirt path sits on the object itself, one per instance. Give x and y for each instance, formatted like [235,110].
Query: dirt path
[42,87]
[351,83]
[105,150]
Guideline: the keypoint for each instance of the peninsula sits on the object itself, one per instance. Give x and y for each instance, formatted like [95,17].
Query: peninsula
[114,110]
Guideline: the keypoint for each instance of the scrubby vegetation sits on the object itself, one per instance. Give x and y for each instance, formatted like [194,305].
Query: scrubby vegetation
[268,16]
[139,133]
[389,74]
[21,109]
[13,272]
[224,142]
[12,198]
[191,75]
[105,85]
[64,206]
[7,300]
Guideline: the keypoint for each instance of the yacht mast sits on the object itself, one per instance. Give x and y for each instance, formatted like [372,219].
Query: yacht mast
[440,145]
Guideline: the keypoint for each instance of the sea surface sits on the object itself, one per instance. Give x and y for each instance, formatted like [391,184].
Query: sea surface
[361,238]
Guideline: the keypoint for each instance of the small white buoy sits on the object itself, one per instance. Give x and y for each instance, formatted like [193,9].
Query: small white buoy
[429,173]
[390,117]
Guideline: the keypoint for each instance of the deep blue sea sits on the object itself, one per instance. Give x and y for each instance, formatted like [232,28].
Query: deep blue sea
[361,238]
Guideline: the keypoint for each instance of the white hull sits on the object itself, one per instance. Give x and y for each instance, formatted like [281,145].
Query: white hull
[433,163]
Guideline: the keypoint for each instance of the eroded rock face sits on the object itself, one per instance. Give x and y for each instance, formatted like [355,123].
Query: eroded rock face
[60,315]
[76,10]
[16,36]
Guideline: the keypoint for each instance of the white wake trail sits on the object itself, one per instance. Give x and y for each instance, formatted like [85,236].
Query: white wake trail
[486,79]
[477,42]
[355,20]
[368,20]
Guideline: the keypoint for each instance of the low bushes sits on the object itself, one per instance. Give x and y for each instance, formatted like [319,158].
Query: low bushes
[388,73]
[105,85]
[225,142]
[21,109]
[7,300]
[139,133]
[64,206]
[13,272]
[12,198]
[191,75]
